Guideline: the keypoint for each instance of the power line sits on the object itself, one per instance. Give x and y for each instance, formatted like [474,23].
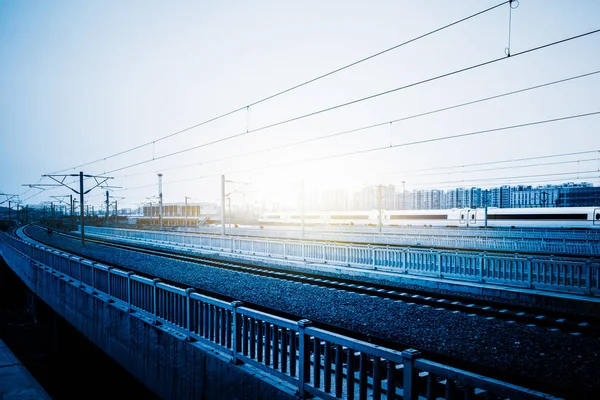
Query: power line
[510,180]
[374,149]
[511,177]
[337,134]
[508,167]
[311,114]
[246,107]
[496,162]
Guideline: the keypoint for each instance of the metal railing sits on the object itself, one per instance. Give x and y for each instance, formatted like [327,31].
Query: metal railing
[564,274]
[532,240]
[318,362]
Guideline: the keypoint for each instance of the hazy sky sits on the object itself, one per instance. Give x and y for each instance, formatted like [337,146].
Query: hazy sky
[84,80]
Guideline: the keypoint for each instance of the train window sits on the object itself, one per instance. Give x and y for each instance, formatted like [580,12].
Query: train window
[597,215]
[473,217]
[462,216]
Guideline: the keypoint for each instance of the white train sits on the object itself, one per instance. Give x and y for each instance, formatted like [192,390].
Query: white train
[558,217]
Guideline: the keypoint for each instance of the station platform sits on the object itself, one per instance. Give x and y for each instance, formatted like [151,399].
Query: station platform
[16,383]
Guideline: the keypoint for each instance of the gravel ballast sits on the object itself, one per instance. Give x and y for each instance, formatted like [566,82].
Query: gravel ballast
[552,361]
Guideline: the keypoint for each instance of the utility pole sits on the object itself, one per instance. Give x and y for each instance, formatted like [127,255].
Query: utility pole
[116,213]
[186,212]
[160,200]
[106,223]
[485,213]
[223,205]
[380,198]
[81,208]
[9,197]
[229,212]
[60,181]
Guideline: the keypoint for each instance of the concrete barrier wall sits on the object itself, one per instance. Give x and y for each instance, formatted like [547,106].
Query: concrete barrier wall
[168,365]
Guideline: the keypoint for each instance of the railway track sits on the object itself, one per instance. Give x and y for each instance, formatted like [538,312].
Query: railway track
[549,319]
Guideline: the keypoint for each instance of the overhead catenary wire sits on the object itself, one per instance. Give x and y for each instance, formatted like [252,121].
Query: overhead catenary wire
[277,94]
[445,168]
[495,162]
[510,177]
[386,147]
[500,181]
[504,168]
[338,106]
[367,127]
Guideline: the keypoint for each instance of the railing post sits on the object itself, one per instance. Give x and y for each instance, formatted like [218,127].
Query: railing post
[80,273]
[529,272]
[236,343]
[411,389]
[372,255]
[588,277]
[155,300]
[93,277]
[438,263]
[482,267]
[347,254]
[129,291]
[108,283]
[304,367]
[188,316]
[404,269]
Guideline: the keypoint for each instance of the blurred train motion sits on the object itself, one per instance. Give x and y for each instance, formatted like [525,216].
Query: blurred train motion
[559,217]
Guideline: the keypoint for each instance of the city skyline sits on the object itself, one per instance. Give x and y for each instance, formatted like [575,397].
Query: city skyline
[570,194]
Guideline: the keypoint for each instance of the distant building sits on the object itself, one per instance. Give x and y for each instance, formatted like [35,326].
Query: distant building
[180,210]
[578,195]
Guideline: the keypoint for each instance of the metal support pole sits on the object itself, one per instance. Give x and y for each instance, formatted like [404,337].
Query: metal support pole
[380,201]
[223,205]
[485,215]
[107,211]
[186,212]
[160,199]
[81,207]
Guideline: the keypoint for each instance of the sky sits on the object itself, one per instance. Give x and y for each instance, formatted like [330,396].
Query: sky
[84,83]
